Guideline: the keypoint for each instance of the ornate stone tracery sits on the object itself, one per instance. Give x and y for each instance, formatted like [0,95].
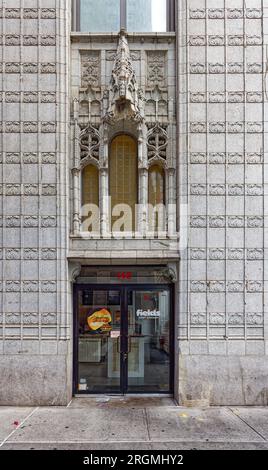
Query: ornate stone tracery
[90,144]
[157,142]
[139,107]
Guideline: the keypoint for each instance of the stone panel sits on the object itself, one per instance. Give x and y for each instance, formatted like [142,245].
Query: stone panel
[34,306]
[223,158]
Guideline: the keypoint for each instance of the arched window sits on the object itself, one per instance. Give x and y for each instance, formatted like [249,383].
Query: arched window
[123,169]
[156,198]
[90,199]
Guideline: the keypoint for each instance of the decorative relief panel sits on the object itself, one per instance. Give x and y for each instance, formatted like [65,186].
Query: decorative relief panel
[220,68]
[28,13]
[29,40]
[156,69]
[30,67]
[219,40]
[111,55]
[90,63]
[232,127]
[221,13]
[217,158]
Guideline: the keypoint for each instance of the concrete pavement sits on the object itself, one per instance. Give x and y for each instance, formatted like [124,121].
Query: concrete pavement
[107,423]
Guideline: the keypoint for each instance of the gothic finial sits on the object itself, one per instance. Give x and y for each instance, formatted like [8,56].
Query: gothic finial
[123,96]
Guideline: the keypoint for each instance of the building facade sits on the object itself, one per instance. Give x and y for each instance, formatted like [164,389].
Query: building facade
[133,200]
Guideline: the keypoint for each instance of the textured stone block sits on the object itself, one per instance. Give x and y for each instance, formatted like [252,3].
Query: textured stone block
[40,380]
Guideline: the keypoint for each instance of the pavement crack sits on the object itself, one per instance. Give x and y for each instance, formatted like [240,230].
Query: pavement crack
[19,427]
[147,424]
[245,422]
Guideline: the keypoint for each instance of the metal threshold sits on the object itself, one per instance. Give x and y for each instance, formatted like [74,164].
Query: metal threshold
[120,395]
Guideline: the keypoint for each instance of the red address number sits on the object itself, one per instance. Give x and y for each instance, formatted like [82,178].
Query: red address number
[124,276]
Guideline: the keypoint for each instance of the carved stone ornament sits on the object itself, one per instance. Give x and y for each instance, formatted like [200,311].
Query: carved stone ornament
[156,74]
[171,273]
[90,143]
[157,141]
[124,101]
[74,271]
[90,69]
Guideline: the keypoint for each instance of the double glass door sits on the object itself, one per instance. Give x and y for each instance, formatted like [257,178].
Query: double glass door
[123,341]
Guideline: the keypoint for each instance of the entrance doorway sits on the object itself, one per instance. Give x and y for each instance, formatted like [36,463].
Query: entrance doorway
[123,339]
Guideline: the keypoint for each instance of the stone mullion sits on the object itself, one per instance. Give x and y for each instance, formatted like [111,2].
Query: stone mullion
[142,214]
[104,203]
[171,201]
[76,200]
[171,180]
[105,220]
[76,174]
[142,221]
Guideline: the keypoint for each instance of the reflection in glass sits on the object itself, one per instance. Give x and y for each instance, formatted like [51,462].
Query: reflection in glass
[99,337]
[100,16]
[124,349]
[149,346]
[147,15]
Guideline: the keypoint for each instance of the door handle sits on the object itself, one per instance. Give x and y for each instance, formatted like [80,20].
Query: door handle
[129,344]
[117,345]
[118,348]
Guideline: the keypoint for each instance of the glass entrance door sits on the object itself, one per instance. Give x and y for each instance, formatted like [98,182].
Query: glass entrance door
[98,334]
[149,346]
[122,339]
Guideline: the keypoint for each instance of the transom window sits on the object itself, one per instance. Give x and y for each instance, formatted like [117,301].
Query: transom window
[104,16]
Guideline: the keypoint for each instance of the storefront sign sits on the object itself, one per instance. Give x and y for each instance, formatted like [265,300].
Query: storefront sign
[148,313]
[124,276]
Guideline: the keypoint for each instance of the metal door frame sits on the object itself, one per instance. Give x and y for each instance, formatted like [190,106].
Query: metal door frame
[124,289]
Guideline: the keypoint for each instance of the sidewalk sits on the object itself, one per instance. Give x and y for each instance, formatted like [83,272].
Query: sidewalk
[132,424]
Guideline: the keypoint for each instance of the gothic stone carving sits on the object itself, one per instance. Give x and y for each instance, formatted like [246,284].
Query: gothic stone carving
[156,69]
[124,97]
[90,143]
[157,142]
[90,69]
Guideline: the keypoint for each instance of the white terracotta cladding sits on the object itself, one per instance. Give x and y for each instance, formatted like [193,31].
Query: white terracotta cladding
[34,321]
[222,135]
